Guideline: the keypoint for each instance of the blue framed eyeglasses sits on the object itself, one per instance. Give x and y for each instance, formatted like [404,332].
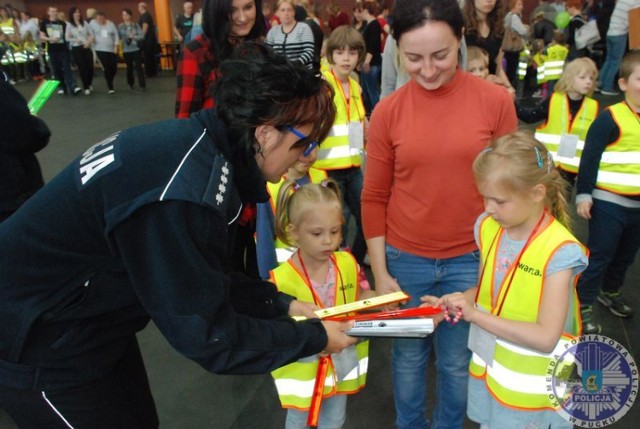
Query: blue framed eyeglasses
[310,147]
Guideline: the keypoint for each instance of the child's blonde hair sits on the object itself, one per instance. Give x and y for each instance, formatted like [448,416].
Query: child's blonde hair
[346,36]
[520,162]
[476,53]
[294,201]
[574,68]
[630,61]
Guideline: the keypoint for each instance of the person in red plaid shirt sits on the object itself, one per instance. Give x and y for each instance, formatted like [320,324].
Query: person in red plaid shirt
[225,24]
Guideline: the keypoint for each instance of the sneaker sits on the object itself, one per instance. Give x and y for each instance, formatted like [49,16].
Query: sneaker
[589,325]
[61,92]
[611,93]
[615,303]
[77,91]
[111,91]
[87,92]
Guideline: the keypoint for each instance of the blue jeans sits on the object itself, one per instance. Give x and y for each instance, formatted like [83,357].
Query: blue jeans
[371,88]
[333,413]
[350,183]
[420,276]
[616,46]
[614,239]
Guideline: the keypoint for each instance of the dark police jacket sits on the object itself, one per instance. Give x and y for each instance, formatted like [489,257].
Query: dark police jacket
[21,136]
[139,226]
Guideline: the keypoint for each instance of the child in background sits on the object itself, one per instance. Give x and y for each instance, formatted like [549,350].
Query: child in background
[554,60]
[33,52]
[478,65]
[527,256]
[537,63]
[608,195]
[310,218]
[569,113]
[341,153]
[477,62]
[271,251]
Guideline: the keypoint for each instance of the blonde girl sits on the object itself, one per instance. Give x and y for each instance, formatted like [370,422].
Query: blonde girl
[309,217]
[525,306]
[569,112]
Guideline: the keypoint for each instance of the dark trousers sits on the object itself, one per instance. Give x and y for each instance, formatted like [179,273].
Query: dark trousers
[121,399]
[109,62]
[614,239]
[149,50]
[134,60]
[512,59]
[61,67]
[350,183]
[83,57]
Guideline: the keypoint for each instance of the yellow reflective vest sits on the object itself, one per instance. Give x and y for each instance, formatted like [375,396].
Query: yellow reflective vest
[619,169]
[559,123]
[554,61]
[295,382]
[517,377]
[538,61]
[335,153]
[284,252]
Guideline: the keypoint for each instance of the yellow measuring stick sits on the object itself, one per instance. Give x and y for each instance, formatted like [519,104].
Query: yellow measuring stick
[363,304]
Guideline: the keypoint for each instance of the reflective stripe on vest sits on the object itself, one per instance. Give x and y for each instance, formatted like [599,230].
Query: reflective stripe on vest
[558,124]
[554,61]
[619,170]
[334,152]
[295,381]
[517,375]
[530,387]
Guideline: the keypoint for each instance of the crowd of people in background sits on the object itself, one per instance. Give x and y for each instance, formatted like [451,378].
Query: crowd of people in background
[53,46]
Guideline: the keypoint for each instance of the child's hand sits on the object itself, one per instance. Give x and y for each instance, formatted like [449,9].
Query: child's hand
[584,209]
[300,308]
[456,302]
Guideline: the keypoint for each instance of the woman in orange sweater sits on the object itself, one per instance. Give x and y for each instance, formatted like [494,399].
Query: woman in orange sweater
[419,201]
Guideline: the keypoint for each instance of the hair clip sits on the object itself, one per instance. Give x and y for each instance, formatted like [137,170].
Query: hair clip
[487,150]
[324,183]
[296,186]
[551,163]
[539,157]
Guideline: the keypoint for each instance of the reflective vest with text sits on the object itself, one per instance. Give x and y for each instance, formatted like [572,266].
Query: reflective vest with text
[517,376]
[559,122]
[295,382]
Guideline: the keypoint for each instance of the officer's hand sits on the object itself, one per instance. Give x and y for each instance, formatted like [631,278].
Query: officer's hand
[337,339]
[300,308]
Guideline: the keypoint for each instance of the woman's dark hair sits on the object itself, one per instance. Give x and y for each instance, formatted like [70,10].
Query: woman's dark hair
[408,15]
[72,21]
[495,19]
[127,11]
[216,25]
[259,87]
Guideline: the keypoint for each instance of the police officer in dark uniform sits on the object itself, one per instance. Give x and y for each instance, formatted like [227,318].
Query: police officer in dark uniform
[139,227]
